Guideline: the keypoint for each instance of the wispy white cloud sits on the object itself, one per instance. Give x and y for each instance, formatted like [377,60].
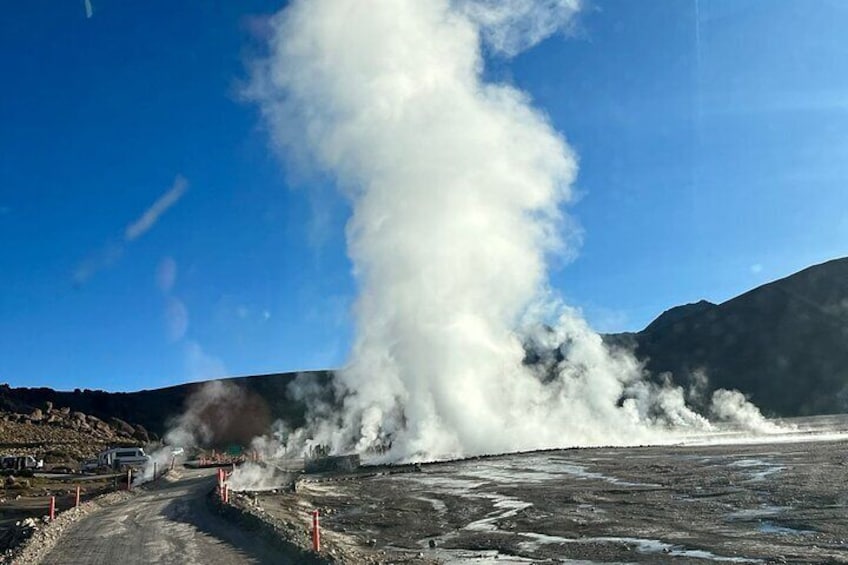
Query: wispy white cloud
[110,254]
[114,250]
[166,274]
[89,10]
[176,319]
[200,364]
[152,214]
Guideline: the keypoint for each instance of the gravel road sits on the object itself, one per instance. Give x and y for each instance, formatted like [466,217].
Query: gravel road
[167,523]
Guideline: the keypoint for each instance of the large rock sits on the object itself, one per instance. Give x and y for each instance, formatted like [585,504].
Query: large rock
[121,426]
[36,415]
[141,434]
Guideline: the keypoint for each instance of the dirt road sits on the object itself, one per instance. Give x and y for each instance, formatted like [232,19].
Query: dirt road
[167,523]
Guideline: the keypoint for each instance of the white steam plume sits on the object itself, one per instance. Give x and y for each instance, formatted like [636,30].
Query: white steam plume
[203,411]
[210,407]
[731,406]
[456,186]
[511,27]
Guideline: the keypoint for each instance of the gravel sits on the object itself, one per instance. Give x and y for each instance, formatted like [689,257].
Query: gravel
[43,534]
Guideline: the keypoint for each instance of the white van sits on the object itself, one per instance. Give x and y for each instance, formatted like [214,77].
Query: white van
[118,458]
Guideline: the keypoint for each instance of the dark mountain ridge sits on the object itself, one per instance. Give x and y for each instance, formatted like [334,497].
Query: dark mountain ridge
[784,344]
[156,408]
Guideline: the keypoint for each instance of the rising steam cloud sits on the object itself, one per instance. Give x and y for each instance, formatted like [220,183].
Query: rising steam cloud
[457,187]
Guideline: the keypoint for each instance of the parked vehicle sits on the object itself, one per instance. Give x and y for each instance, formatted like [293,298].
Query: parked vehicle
[21,462]
[117,458]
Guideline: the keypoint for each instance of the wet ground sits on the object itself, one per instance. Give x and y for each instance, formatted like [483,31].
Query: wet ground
[772,503]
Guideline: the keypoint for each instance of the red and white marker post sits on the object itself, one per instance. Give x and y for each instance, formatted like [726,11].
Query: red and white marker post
[77,498]
[222,487]
[52,508]
[316,532]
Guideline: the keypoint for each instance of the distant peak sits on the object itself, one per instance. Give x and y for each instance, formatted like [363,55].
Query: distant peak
[678,313]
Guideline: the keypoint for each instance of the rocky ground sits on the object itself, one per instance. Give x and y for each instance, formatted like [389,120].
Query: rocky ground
[780,502]
[62,438]
[290,520]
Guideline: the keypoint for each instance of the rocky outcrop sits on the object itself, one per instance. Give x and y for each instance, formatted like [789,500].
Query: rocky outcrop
[141,434]
[64,435]
[121,426]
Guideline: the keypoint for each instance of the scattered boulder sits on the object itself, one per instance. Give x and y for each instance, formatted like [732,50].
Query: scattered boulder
[48,407]
[13,482]
[122,426]
[141,434]
[36,415]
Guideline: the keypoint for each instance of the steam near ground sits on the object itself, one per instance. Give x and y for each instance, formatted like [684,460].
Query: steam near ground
[457,187]
[216,413]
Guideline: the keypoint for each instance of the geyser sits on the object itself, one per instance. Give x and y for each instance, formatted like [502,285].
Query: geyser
[457,187]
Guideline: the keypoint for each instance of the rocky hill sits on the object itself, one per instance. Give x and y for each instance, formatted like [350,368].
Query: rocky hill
[258,400]
[61,435]
[785,344]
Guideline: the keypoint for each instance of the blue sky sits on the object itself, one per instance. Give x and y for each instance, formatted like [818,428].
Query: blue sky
[711,138]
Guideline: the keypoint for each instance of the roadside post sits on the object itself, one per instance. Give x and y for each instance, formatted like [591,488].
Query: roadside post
[129,479]
[226,493]
[316,532]
[52,508]
[77,497]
